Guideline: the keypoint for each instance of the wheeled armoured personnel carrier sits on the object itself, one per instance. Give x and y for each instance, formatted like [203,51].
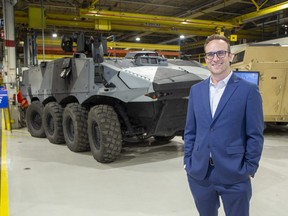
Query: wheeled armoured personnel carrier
[94,103]
[270,61]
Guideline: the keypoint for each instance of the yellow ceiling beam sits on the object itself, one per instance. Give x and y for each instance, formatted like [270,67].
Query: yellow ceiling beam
[148,23]
[53,22]
[21,13]
[93,3]
[51,57]
[122,45]
[257,6]
[132,27]
[143,46]
[50,42]
[118,26]
[179,30]
[124,27]
[250,16]
[62,16]
[152,19]
[21,20]
[79,25]
[51,16]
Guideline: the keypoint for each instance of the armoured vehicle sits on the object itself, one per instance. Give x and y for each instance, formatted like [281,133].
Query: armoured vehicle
[271,62]
[91,102]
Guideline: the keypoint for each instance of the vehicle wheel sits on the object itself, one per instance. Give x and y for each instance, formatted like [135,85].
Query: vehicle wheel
[163,138]
[52,122]
[34,114]
[104,133]
[75,127]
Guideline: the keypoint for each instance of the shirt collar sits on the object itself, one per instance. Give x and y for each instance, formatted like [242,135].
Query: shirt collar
[224,81]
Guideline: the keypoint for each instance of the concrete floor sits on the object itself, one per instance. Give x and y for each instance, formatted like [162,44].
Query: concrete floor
[45,179]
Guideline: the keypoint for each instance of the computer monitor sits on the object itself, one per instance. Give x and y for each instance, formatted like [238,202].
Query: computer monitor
[251,76]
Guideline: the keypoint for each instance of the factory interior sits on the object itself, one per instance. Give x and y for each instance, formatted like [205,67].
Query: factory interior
[94,94]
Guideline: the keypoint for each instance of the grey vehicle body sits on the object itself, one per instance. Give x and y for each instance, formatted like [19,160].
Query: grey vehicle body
[92,103]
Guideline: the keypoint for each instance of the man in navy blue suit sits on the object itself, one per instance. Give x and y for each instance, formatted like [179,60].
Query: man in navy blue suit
[223,138]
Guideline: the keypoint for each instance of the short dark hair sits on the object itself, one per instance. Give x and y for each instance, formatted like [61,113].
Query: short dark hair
[217,37]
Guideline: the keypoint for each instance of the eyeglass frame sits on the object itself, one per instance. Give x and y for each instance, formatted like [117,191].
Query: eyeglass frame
[217,54]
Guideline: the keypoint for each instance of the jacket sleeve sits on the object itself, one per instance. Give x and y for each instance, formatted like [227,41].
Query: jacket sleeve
[254,130]
[190,130]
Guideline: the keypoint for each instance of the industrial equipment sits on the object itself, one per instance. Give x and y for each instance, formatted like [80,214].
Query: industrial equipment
[91,102]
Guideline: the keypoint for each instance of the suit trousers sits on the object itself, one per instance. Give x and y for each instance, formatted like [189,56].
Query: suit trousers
[235,197]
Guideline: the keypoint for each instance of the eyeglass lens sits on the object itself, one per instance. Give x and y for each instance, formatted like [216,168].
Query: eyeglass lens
[220,54]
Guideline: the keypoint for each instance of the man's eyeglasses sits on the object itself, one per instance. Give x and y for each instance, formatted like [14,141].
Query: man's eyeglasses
[219,54]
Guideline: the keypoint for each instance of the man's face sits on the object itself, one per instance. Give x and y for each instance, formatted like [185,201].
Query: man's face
[218,58]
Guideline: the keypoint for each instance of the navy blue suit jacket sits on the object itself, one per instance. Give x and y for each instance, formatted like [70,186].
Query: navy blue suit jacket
[234,136]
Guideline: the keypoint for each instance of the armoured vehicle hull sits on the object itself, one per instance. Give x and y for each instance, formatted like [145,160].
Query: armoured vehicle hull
[96,106]
[271,61]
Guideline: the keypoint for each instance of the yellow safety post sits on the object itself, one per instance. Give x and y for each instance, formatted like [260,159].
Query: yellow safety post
[7,119]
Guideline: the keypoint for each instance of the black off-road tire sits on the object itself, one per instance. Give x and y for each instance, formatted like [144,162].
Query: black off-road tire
[104,133]
[164,138]
[34,122]
[52,122]
[75,127]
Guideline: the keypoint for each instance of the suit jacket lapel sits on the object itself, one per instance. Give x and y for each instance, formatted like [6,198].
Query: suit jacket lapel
[229,90]
[205,98]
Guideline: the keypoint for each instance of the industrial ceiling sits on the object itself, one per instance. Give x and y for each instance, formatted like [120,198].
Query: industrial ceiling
[159,21]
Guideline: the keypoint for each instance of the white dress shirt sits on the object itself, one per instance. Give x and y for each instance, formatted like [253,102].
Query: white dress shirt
[216,92]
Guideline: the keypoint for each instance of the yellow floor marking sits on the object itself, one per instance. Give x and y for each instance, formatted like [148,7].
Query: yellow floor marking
[4,205]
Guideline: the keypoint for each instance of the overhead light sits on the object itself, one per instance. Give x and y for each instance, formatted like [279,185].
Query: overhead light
[184,22]
[54,35]
[138,39]
[182,36]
